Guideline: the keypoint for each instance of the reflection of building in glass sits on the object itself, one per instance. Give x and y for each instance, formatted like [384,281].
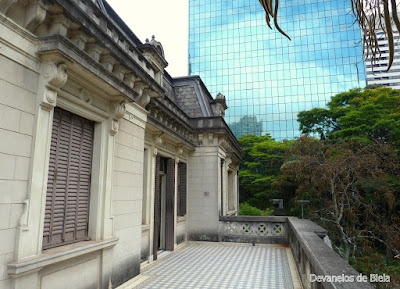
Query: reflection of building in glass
[246,125]
[264,74]
[376,73]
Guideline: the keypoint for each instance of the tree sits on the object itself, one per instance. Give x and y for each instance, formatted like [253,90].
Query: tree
[260,169]
[368,115]
[371,16]
[353,190]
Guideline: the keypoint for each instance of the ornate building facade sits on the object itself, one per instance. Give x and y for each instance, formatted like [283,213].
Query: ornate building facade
[105,159]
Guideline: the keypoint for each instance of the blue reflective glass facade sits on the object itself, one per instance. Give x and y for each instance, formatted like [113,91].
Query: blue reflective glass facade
[266,78]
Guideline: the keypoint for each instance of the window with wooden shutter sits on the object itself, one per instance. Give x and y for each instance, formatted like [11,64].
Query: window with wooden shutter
[68,187]
[182,189]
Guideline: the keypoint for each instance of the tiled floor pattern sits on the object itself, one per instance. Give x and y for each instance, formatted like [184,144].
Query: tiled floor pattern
[220,266]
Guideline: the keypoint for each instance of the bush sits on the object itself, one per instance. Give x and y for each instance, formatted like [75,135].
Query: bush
[247,210]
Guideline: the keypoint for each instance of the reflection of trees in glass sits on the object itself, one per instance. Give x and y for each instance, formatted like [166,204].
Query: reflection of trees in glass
[246,125]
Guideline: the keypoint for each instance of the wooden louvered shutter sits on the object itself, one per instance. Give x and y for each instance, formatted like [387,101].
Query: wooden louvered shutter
[170,196]
[156,208]
[68,186]
[182,189]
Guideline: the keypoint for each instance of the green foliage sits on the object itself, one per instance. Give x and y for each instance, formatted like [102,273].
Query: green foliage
[246,210]
[260,168]
[353,190]
[366,115]
[376,263]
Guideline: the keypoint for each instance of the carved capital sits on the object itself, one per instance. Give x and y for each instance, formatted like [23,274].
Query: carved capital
[158,140]
[139,87]
[118,109]
[228,161]
[55,74]
[179,151]
[144,99]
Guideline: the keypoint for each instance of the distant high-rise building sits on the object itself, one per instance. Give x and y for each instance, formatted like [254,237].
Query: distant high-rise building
[246,125]
[261,72]
[377,73]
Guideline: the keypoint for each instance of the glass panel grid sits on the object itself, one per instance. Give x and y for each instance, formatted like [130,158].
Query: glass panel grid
[266,78]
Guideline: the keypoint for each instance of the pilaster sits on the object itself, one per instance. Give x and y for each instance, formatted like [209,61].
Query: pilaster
[29,240]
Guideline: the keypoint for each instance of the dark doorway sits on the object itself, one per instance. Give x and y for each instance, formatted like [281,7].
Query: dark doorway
[164,200]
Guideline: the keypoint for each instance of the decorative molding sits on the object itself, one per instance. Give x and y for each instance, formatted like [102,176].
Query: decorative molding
[35,15]
[158,139]
[114,127]
[85,95]
[254,229]
[144,98]
[54,77]
[179,151]
[118,109]
[55,74]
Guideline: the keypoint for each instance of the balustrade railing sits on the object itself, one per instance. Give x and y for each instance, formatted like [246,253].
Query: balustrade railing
[253,229]
[312,255]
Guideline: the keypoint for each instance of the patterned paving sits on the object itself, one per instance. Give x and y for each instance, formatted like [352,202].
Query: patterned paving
[221,266]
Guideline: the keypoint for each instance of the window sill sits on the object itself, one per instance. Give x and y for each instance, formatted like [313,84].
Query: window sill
[59,254]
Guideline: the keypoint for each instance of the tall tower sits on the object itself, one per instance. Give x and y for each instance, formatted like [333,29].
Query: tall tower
[377,73]
[265,77]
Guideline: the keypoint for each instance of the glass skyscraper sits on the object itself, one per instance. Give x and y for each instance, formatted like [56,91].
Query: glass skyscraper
[266,78]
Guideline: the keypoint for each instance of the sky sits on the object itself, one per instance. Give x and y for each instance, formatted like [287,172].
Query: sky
[167,20]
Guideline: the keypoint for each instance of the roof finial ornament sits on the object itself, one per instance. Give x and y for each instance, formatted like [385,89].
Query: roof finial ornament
[153,37]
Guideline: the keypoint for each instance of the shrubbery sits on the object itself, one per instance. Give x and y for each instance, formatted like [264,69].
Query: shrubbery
[246,210]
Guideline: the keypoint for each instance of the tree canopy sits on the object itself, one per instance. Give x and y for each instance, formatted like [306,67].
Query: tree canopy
[263,157]
[353,190]
[367,115]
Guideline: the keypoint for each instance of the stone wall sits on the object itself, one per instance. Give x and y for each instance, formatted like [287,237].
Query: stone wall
[18,87]
[127,200]
[203,194]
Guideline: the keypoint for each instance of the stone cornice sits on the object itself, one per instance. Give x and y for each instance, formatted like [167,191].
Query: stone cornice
[85,31]
[58,43]
[107,33]
[215,124]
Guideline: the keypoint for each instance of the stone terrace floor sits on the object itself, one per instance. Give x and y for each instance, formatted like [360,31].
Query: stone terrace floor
[206,265]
